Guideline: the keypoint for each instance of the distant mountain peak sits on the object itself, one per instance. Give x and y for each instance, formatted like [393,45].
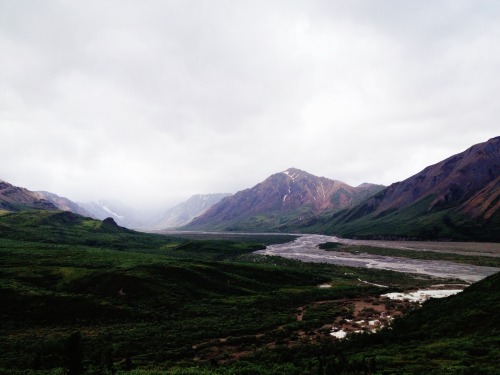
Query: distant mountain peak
[291,174]
[283,199]
[293,170]
[186,211]
[62,203]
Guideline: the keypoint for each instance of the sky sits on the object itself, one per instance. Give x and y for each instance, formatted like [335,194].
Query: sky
[149,102]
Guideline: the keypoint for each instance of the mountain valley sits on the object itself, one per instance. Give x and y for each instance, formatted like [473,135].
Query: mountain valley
[83,295]
[455,199]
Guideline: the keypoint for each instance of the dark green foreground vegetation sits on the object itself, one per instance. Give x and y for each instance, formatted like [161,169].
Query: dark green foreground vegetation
[80,296]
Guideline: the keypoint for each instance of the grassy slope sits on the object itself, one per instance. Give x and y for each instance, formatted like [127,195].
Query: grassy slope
[60,227]
[411,222]
[277,221]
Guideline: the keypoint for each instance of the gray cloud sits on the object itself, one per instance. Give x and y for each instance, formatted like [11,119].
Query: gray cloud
[151,102]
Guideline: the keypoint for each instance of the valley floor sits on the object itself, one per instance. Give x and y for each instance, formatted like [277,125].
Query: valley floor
[306,248]
[486,249]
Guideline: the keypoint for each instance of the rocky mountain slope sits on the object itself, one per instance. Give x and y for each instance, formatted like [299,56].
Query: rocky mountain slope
[63,203]
[451,199]
[14,198]
[282,202]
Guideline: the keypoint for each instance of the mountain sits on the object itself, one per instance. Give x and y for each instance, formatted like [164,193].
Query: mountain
[123,215]
[457,198]
[14,199]
[156,219]
[185,212]
[282,202]
[63,203]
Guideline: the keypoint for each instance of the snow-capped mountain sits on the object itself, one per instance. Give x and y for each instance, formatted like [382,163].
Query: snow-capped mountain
[283,201]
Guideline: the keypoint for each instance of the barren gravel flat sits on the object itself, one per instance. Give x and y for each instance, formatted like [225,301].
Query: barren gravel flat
[488,249]
[305,248]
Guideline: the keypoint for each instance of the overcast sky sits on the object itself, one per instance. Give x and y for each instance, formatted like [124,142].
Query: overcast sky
[154,101]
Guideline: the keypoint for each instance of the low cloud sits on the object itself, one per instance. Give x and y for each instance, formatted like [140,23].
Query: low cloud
[149,103]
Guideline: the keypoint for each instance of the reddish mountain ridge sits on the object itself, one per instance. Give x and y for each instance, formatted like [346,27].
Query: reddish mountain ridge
[457,198]
[13,198]
[463,180]
[288,193]
[484,203]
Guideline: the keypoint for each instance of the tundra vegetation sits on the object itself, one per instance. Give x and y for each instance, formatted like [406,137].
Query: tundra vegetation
[80,296]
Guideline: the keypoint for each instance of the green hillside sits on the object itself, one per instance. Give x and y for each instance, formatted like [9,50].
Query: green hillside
[81,296]
[274,221]
[413,222]
[63,227]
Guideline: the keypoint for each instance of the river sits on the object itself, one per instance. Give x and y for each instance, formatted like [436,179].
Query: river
[305,248]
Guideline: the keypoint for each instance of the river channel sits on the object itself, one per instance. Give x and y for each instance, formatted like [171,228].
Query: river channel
[305,248]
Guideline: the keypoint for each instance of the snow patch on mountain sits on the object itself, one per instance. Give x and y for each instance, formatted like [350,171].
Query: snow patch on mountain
[105,208]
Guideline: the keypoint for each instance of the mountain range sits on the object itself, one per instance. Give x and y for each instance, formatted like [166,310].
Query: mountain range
[15,199]
[457,198]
